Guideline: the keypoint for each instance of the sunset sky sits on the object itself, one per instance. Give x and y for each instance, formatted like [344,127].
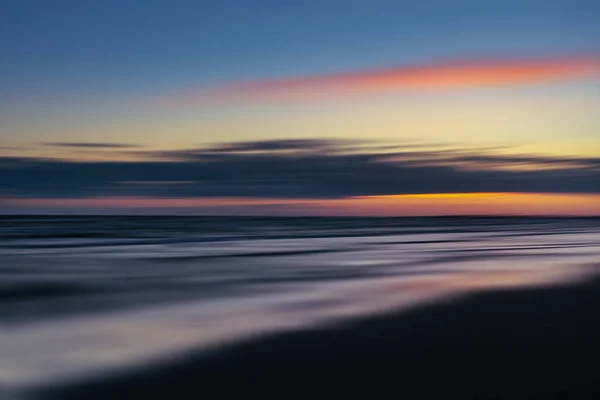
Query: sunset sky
[326,107]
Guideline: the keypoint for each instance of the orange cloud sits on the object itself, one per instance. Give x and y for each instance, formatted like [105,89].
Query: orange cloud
[472,204]
[441,76]
[486,203]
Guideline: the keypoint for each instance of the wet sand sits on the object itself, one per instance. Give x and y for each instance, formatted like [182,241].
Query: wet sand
[536,343]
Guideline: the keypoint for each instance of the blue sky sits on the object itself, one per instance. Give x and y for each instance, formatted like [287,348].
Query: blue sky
[116,48]
[105,72]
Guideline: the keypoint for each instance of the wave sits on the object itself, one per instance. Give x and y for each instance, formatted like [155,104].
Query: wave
[143,290]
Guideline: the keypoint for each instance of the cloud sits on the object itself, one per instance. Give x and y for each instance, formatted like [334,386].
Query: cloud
[299,169]
[279,145]
[437,76]
[91,145]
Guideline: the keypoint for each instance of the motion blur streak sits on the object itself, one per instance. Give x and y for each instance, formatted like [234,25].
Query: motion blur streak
[383,205]
[443,76]
[91,296]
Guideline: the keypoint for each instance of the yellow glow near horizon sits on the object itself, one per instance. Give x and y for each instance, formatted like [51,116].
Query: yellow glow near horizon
[435,196]
[558,118]
[485,203]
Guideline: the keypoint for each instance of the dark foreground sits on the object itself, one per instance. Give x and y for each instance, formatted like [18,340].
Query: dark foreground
[541,343]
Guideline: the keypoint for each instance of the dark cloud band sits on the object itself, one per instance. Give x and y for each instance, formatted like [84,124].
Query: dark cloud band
[90,145]
[300,169]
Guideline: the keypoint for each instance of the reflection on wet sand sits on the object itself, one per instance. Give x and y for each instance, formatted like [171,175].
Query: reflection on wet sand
[148,294]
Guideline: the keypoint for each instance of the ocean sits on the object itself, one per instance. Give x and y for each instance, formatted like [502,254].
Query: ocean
[99,296]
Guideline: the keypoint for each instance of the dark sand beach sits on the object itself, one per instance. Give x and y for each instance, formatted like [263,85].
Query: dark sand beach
[533,343]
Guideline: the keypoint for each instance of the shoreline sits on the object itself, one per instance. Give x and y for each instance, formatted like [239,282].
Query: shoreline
[535,342]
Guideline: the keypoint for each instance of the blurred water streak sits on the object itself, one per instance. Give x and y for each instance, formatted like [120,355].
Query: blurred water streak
[90,295]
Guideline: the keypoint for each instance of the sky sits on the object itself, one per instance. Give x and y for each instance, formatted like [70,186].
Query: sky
[323,107]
